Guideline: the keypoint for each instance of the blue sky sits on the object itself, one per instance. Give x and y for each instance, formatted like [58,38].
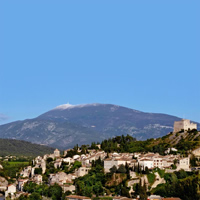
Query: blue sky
[139,54]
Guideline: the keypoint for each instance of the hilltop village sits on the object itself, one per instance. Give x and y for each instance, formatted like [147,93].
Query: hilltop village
[127,175]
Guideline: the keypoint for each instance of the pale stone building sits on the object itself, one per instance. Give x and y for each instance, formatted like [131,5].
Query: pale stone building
[68,160]
[26,172]
[146,163]
[21,183]
[37,179]
[76,197]
[82,171]
[11,189]
[184,163]
[68,186]
[184,124]
[158,162]
[58,163]
[59,178]
[110,162]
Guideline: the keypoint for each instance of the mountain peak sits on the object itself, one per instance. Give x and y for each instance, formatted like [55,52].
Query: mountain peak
[70,106]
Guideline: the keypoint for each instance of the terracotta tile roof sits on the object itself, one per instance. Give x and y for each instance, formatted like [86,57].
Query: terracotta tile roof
[77,197]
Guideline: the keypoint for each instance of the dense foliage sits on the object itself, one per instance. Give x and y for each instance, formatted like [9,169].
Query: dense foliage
[183,141]
[37,191]
[18,148]
[180,184]
[127,143]
[10,169]
[96,182]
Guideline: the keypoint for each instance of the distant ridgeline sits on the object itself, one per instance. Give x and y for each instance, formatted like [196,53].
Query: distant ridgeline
[68,125]
[183,141]
[22,148]
[184,138]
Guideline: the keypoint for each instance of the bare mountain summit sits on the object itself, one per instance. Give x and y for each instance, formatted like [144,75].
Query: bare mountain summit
[67,125]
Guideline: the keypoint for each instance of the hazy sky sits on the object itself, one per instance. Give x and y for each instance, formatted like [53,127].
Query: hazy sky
[142,54]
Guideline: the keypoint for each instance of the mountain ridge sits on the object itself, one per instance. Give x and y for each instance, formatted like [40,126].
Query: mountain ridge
[68,125]
[22,148]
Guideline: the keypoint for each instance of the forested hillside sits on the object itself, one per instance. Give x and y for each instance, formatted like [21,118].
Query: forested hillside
[22,148]
[183,141]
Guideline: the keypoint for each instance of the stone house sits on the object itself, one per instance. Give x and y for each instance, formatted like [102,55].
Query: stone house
[146,163]
[59,178]
[57,163]
[26,172]
[184,163]
[76,197]
[158,162]
[110,162]
[85,161]
[82,171]
[76,157]
[11,190]
[68,160]
[21,183]
[68,186]
[71,176]
[37,179]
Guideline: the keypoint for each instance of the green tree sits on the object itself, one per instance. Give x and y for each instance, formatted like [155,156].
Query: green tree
[35,196]
[113,169]
[38,171]
[146,170]
[55,191]
[49,160]
[193,161]
[23,197]
[121,169]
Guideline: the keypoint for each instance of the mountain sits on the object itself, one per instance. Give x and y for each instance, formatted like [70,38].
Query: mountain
[67,125]
[22,148]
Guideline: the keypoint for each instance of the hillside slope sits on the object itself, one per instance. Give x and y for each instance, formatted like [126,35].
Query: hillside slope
[22,148]
[68,125]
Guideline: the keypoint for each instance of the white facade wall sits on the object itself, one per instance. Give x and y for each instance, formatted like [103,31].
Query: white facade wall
[11,190]
[70,188]
[109,164]
[146,163]
[158,162]
[82,171]
[184,163]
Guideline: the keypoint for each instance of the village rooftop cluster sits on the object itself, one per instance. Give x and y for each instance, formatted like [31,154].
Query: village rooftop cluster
[66,181]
